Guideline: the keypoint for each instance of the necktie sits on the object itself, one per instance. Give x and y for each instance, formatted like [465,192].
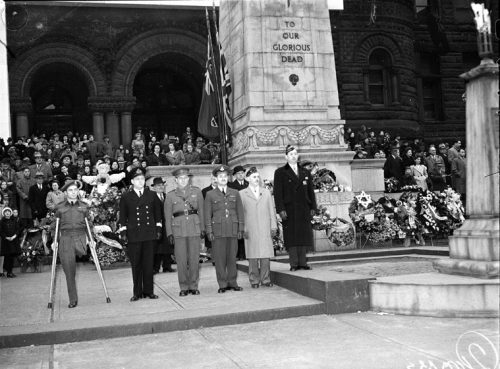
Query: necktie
[140,193]
[224,192]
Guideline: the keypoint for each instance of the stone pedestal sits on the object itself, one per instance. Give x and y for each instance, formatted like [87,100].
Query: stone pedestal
[282,66]
[474,248]
[368,176]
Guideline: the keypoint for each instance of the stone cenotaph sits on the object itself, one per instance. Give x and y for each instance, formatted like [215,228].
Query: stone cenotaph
[282,67]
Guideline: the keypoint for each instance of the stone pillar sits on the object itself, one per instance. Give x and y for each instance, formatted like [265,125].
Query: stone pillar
[113,127]
[126,128]
[475,247]
[98,125]
[21,107]
[282,67]
[5,124]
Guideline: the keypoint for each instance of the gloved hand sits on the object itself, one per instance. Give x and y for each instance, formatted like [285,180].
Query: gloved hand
[158,233]
[241,234]
[203,234]
[313,212]
[283,215]
[274,232]
[123,236]
[171,239]
[211,237]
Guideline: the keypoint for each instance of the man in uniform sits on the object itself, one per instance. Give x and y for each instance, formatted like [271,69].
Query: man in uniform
[239,184]
[72,239]
[225,225]
[164,249]
[140,221]
[296,203]
[185,226]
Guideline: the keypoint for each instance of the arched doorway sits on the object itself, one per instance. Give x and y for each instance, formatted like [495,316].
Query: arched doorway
[168,94]
[59,94]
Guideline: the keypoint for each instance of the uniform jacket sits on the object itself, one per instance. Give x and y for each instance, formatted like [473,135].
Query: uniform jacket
[224,213]
[72,216]
[237,186]
[37,199]
[295,195]
[205,190]
[140,215]
[260,218]
[23,189]
[188,225]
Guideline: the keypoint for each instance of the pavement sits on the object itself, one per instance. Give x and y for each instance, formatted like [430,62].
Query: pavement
[360,341]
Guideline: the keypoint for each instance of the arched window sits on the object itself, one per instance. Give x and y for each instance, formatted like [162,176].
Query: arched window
[380,80]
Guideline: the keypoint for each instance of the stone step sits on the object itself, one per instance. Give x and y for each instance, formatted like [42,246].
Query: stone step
[435,294]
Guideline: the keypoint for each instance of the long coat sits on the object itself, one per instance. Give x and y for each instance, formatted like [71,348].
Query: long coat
[295,195]
[23,189]
[260,218]
[458,172]
[163,246]
[8,228]
[37,199]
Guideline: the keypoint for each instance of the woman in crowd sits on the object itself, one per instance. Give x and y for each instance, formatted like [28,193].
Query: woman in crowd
[55,195]
[156,158]
[407,159]
[138,145]
[419,173]
[174,156]
[9,233]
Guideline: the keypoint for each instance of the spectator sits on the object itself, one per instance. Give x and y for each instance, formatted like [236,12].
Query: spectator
[55,196]
[419,172]
[453,152]
[156,158]
[37,197]
[174,156]
[9,232]
[164,143]
[41,166]
[7,194]
[23,189]
[153,141]
[186,135]
[407,158]
[393,167]
[443,152]
[436,170]
[107,147]
[137,145]
[459,174]
[93,148]
[191,156]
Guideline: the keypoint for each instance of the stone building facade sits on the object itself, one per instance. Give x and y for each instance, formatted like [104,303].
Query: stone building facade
[110,69]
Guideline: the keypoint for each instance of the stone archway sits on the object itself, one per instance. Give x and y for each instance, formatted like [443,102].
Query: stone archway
[367,44]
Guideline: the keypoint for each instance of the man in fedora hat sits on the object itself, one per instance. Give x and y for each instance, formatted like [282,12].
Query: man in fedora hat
[185,226]
[72,238]
[140,226]
[37,197]
[164,249]
[225,225]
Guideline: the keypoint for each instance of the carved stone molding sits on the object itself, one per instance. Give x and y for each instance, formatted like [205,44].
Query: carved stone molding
[111,103]
[20,105]
[253,138]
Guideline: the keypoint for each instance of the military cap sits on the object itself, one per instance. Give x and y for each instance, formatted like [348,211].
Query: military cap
[289,148]
[182,171]
[251,171]
[220,169]
[136,173]
[157,181]
[237,169]
[72,182]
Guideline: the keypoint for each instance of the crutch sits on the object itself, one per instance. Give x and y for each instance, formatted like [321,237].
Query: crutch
[54,264]
[96,260]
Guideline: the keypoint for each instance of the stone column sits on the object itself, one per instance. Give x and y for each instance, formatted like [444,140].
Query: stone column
[5,124]
[113,127]
[21,107]
[474,248]
[282,67]
[126,128]
[98,125]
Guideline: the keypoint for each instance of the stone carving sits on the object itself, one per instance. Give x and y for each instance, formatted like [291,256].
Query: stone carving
[253,138]
[111,103]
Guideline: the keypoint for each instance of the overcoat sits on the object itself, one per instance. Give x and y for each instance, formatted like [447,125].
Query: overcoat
[260,218]
[37,199]
[295,195]
[23,189]
[140,215]
[163,246]
[458,172]
[8,228]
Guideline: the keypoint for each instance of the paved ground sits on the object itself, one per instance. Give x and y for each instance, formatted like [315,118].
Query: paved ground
[364,340]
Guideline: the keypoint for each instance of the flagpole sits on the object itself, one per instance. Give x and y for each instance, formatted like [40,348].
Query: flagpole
[217,85]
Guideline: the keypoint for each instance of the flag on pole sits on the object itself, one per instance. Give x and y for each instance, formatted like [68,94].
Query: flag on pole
[208,120]
[226,83]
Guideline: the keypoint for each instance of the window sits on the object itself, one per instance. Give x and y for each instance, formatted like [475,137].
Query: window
[429,87]
[380,81]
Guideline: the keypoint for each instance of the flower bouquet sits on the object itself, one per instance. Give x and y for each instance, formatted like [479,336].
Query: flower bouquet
[391,184]
[339,231]
[32,251]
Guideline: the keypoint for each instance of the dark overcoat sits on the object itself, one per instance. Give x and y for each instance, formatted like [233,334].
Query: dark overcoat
[163,246]
[140,215]
[38,200]
[295,195]
[8,228]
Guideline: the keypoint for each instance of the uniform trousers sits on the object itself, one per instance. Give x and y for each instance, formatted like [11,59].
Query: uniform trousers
[187,256]
[69,243]
[224,251]
[259,270]
[141,256]
[297,256]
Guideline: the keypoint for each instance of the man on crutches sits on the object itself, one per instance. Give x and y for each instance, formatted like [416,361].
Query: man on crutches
[72,239]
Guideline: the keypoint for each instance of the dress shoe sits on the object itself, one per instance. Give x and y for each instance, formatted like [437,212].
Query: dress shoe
[305,267]
[255,285]
[267,284]
[184,293]
[221,290]
[168,270]
[194,292]
[11,275]
[134,298]
[293,269]
[73,304]
[236,288]
[150,296]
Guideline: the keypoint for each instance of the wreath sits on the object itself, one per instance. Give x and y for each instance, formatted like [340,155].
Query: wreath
[339,231]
